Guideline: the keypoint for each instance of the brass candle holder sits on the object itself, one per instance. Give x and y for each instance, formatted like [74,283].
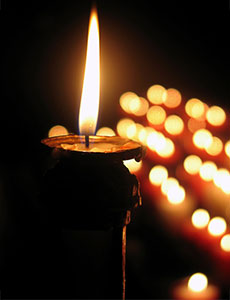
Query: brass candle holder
[89,190]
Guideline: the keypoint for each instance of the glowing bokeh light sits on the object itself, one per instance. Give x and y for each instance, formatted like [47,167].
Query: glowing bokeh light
[216,116]
[227,148]
[174,125]
[156,115]
[208,170]
[192,164]
[143,107]
[200,218]
[158,174]
[176,194]
[216,147]
[168,184]
[157,94]
[217,226]
[198,282]
[164,147]
[195,108]
[57,130]
[127,100]
[105,131]
[133,165]
[220,176]
[225,243]
[202,138]
[126,128]
[173,98]
[194,125]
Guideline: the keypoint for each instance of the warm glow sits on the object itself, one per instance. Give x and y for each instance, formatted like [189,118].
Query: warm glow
[165,147]
[216,116]
[173,98]
[174,125]
[198,282]
[168,184]
[192,164]
[216,146]
[195,108]
[156,115]
[158,175]
[91,84]
[194,125]
[227,148]
[176,194]
[106,131]
[153,139]
[221,177]
[202,138]
[126,128]
[217,226]
[200,218]
[225,183]
[57,130]
[157,94]
[133,165]
[208,170]
[225,243]
[142,108]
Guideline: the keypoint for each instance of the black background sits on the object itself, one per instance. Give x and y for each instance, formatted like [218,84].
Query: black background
[179,44]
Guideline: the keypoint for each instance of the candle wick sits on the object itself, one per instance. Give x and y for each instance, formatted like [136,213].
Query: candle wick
[87,141]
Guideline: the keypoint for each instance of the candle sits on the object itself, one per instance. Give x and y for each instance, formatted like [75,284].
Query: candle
[195,288]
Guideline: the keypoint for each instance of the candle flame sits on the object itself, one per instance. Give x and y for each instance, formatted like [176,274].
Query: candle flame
[91,86]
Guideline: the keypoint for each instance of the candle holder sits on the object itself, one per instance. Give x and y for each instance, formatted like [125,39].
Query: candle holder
[88,189]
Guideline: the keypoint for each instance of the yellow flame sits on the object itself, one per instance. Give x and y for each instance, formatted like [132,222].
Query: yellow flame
[192,164]
[91,86]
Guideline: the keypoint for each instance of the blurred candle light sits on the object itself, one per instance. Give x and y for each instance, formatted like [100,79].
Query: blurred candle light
[192,164]
[217,226]
[225,243]
[216,147]
[202,138]
[196,287]
[200,218]
[158,174]
[195,108]
[157,94]
[173,98]
[57,130]
[194,125]
[220,176]
[168,184]
[165,147]
[176,194]
[227,148]
[156,115]
[208,170]
[174,125]
[129,100]
[143,107]
[126,128]
[216,116]
[105,131]
[198,282]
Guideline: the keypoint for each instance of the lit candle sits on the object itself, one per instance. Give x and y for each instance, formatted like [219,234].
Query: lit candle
[87,142]
[195,288]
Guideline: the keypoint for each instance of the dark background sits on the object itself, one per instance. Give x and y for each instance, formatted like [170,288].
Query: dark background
[179,44]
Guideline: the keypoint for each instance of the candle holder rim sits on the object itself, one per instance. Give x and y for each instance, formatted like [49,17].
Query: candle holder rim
[134,149]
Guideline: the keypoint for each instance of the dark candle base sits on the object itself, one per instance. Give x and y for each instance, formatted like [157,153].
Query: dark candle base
[90,202]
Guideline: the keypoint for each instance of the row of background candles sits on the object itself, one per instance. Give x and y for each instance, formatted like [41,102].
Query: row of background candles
[184,175]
